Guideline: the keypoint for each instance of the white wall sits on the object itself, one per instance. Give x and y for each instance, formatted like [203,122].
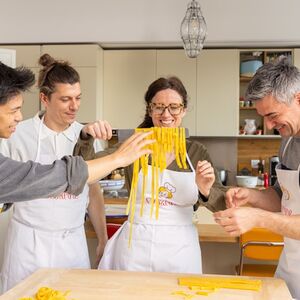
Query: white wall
[144,22]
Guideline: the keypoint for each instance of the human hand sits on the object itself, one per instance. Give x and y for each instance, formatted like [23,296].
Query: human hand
[236,197]
[205,177]
[133,148]
[98,130]
[236,221]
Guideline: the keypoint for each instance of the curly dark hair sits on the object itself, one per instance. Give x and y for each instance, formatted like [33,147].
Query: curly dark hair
[14,81]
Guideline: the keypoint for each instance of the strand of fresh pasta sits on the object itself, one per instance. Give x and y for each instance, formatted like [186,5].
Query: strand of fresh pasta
[168,140]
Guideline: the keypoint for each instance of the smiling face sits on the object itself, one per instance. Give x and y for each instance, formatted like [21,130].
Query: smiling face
[285,118]
[10,116]
[166,119]
[62,105]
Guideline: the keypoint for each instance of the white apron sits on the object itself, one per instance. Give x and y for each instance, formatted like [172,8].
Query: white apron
[289,262]
[46,232]
[169,244]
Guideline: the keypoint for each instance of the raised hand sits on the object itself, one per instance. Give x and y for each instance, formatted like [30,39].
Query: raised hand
[236,197]
[98,130]
[205,177]
[133,148]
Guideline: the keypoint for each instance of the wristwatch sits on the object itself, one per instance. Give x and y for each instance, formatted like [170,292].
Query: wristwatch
[5,206]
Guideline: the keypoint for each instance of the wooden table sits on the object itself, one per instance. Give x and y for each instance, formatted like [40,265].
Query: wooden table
[121,285]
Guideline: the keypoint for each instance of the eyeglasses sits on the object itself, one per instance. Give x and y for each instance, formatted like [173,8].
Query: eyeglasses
[173,108]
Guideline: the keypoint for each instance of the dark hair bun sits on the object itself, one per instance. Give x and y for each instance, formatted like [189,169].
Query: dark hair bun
[46,60]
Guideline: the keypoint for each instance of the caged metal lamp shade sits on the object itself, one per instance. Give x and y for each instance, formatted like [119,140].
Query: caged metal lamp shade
[193,30]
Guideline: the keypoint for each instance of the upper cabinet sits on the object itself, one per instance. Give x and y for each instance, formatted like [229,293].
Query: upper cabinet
[217,93]
[28,56]
[127,75]
[88,61]
[211,81]
[250,123]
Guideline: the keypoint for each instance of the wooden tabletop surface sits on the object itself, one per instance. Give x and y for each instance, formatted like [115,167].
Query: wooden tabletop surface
[116,285]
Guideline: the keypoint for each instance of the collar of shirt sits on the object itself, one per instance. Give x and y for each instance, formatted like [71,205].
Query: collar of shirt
[69,133]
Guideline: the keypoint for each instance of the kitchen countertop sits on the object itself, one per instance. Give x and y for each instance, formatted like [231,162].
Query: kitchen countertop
[207,232]
[116,285]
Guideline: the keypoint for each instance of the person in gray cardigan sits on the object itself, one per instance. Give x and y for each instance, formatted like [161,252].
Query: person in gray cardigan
[30,180]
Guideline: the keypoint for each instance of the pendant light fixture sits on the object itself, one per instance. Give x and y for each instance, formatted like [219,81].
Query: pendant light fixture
[193,29]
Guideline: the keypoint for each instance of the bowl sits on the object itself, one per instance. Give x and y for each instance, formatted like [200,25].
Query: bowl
[112,184]
[247,181]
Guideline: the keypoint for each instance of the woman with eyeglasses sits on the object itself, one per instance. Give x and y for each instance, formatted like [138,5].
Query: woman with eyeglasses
[171,243]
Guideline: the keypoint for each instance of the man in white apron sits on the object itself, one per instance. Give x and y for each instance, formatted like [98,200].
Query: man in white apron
[275,88]
[50,232]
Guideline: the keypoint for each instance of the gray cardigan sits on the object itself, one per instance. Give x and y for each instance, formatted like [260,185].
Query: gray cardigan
[21,181]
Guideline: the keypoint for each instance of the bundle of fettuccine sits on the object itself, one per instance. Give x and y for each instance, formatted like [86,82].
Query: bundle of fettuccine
[168,140]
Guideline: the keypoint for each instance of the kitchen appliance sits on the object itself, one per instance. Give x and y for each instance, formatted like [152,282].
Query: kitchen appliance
[273,161]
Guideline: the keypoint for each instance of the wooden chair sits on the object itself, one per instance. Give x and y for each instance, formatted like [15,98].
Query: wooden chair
[259,244]
[112,229]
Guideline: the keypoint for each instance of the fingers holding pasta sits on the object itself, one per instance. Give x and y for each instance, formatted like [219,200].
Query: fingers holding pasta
[205,177]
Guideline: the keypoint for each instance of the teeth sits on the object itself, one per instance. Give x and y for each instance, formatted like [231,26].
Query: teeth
[166,122]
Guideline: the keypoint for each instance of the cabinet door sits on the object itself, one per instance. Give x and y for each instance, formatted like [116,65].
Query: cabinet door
[176,63]
[127,75]
[88,61]
[28,56]
[296,53]
[217,93]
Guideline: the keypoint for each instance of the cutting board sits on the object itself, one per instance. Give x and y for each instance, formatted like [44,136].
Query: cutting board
[123,285]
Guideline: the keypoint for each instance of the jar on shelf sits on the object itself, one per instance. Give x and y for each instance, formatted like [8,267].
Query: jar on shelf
[250,126]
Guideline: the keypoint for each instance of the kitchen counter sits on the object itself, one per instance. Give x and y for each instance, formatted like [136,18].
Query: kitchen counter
[207,232]
[116,285]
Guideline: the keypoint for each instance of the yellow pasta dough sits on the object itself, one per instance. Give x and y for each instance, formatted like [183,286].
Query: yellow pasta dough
[168,140]
[47,293]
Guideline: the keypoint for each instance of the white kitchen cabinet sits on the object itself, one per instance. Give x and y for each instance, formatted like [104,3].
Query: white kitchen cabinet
[175,62]
[296,57]
[88,61]
[28,56]
[217,93]
[127,75]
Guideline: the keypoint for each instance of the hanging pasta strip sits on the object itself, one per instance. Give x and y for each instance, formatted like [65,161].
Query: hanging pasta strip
[153,182]
[157,190]
[177,148]
[182,147]
[133,201]
[143,166]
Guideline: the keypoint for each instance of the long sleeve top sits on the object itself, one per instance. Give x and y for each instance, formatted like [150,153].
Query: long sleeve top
[21,181]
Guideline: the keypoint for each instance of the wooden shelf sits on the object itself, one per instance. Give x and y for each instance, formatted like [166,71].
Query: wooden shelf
[248,108]
[259,136]
[245,78]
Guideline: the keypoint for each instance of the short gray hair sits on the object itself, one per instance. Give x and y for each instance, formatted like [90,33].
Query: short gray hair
[279,79]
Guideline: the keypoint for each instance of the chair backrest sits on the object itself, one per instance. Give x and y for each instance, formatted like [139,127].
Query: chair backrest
[112,228]
[261,244]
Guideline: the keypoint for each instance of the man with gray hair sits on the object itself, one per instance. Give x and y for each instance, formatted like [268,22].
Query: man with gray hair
[275,89]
